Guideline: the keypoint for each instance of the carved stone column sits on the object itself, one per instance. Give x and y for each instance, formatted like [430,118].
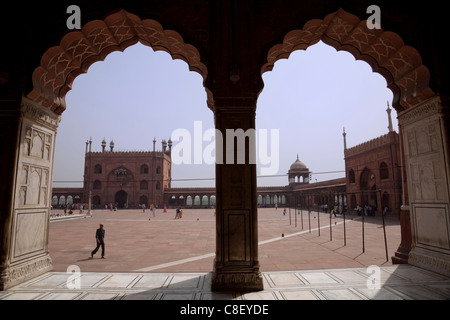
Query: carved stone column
[427,154]
[236,266]
[24,236]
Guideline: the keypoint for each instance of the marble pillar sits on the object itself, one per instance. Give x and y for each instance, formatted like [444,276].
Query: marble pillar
[426,144]
[236,266]
[24,237]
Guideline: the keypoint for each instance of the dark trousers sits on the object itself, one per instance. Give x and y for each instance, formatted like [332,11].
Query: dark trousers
[100,243]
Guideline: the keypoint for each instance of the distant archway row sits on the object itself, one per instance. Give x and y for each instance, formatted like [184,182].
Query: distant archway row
[266,200]
[61,201]
[205,201]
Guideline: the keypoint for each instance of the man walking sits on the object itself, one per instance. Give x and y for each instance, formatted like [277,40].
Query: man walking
[100,237]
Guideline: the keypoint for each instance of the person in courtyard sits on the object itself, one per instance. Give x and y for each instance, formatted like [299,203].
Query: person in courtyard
[177,213]
[100,238]
[358,210]
[333,211]
[143,208]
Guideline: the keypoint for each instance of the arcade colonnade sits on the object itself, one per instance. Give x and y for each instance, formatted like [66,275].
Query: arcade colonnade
[231,60]
[190,197]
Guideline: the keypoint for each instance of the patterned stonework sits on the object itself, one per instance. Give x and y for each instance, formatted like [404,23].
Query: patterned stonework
[251,281]
[32,110]
[60,65]
[36,154]
[22,272]
[426,109]
[384,51]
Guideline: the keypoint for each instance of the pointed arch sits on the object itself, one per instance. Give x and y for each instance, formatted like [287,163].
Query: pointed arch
[98,168]
[351,176]
[384,51]
[78,50]
[384,170]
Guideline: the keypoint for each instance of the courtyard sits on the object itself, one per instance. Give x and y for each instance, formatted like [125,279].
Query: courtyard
[161,258]
[140,242]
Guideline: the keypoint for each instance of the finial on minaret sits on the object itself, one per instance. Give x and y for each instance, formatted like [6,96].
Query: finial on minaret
[388,110]
[111,145]
[345,139]
[297,157]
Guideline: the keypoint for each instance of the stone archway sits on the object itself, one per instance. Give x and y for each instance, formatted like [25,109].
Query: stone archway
[41,111]
[61,64]
[384,51]
[121,199]
[236,55]
[423,125]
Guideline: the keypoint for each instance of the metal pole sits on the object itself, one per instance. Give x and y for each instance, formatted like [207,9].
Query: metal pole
[290,222]
[309,216]
[301,214]
[331,232]
[318,215]
[384,229]
[345,233]
[363,247]
[385,241]
[295,214]
[90,203]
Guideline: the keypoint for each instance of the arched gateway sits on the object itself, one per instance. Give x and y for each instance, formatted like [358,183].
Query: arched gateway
[234,43]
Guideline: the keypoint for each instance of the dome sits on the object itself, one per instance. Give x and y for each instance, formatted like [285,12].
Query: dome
[298,165]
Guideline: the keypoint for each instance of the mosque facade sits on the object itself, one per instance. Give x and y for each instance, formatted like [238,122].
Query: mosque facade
[130,179]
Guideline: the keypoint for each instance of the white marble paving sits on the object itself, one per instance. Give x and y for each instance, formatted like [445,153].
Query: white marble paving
[399,282]
[317,278]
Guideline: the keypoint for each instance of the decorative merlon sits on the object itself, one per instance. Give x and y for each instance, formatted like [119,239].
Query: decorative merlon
[371,144]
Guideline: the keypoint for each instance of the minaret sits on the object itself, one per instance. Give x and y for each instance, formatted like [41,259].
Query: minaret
[154,143]
[90,144]
[170,146]
[345,139]
[87,143]
[388,110]
[111,145]
[103,145]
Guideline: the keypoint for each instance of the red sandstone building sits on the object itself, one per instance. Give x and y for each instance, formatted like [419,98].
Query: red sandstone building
[126,179]
[129,179]
[373,176]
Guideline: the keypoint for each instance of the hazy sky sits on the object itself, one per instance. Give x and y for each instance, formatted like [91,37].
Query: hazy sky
[136,95]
